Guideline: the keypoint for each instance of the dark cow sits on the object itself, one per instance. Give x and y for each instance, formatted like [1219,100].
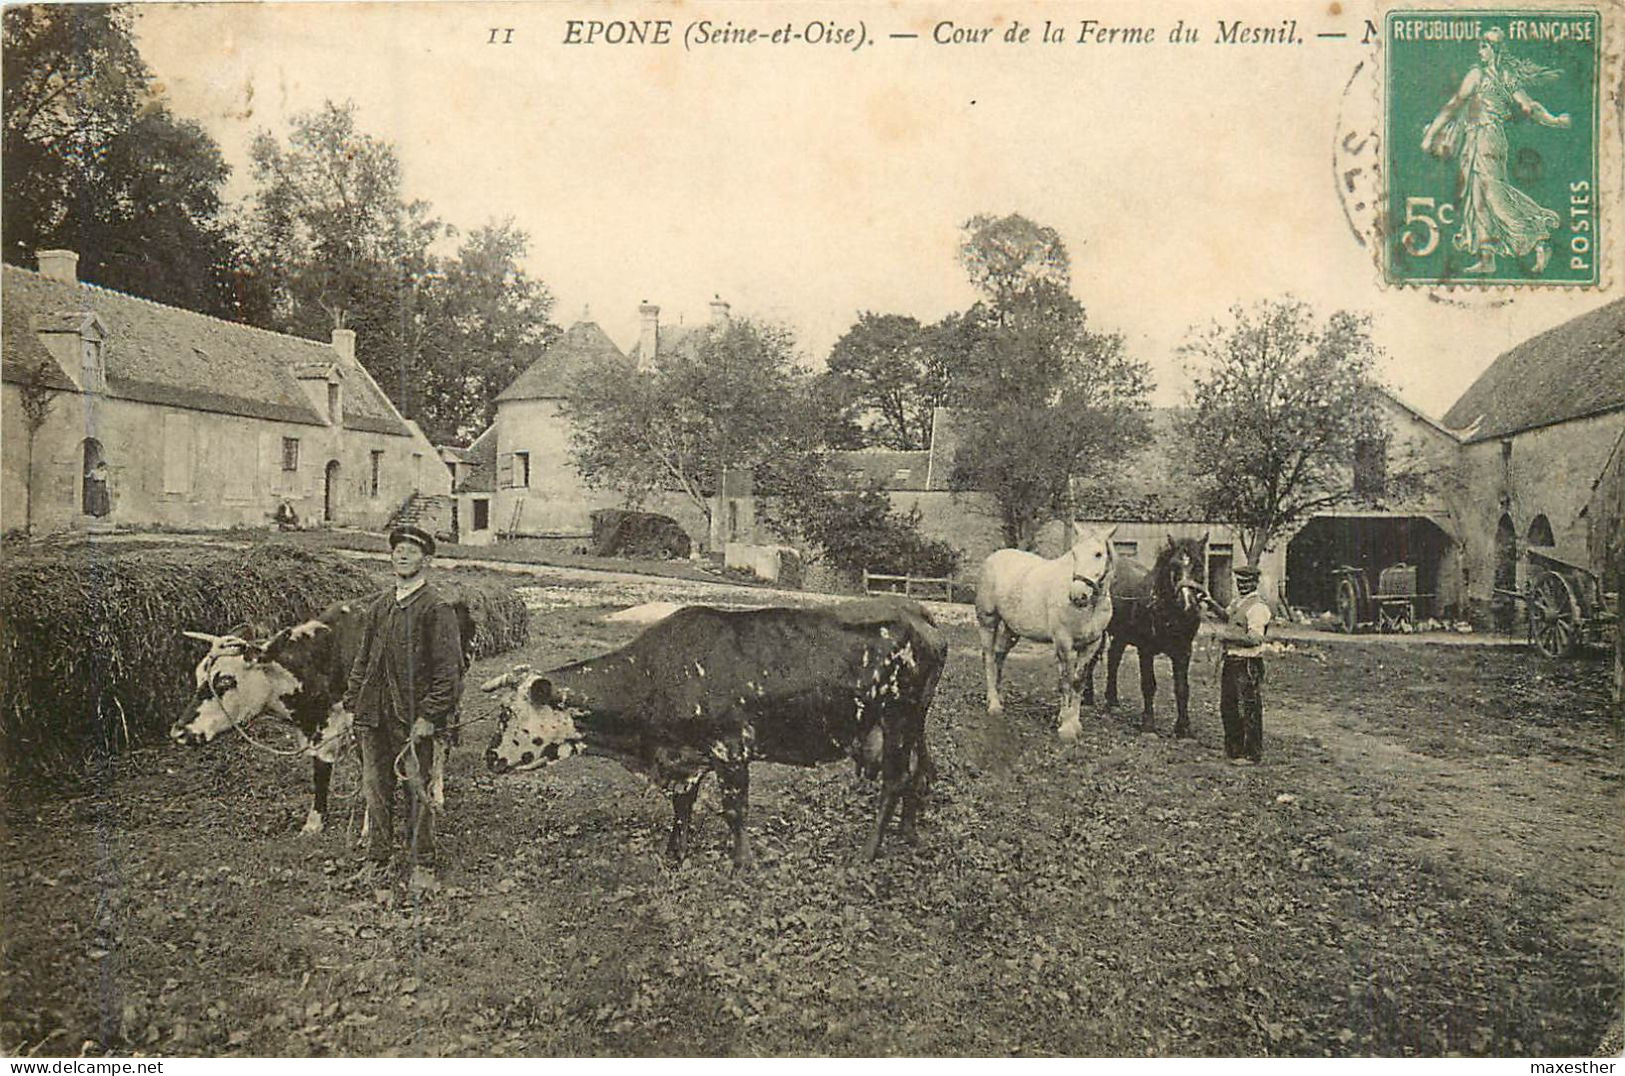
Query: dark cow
[712,689]
[299,674]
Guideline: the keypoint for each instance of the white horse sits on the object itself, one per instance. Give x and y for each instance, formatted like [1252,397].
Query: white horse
[1066,601]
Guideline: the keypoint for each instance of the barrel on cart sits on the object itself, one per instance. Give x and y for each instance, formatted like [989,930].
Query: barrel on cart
[1393,606]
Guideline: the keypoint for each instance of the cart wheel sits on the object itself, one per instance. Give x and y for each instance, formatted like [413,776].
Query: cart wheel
[1553,615]
[1348,606]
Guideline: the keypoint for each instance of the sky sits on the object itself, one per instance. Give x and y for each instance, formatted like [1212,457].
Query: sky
[807,182]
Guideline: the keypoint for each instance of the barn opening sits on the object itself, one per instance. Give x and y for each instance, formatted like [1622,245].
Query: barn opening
[1503,608]
[1371,542]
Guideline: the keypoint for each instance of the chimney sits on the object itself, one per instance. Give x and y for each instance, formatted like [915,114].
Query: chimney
[648,333]
[344,344]
[59,265]
[719,311]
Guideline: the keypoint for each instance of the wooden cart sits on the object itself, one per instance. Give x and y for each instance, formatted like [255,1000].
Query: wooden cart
[1393,606]
[1566,604]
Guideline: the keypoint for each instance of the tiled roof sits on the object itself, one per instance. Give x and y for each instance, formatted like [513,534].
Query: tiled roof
[890,468]
[21,352]
[549,377]
[481,456]
[1574,370]
[165,355]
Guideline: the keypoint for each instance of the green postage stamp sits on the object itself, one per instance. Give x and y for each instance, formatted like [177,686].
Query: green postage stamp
[1492,147]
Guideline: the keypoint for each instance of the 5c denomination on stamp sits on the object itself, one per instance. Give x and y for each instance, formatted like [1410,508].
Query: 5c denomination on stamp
[1491,124]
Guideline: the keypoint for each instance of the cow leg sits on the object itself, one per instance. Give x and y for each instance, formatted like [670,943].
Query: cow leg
[735,778]
[682,814]
[1114,658]
[321,776]
[1181,661]
[899,767]
[1148,687]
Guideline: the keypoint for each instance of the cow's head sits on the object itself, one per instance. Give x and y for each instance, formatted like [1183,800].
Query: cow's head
[236,683]
[535,726]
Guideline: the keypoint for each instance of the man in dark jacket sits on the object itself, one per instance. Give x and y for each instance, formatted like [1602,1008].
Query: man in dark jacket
[403,689]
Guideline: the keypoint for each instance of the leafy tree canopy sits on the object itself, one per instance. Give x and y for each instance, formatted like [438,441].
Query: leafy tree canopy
[728,398]
[336,244]
[1040,400]
[96,163]
[1279,400]
[887,372]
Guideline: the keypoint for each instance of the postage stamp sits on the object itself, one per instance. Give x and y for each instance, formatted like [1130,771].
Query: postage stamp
[1491,135]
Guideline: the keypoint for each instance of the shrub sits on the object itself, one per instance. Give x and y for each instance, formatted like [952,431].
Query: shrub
[92,661]
[857,531]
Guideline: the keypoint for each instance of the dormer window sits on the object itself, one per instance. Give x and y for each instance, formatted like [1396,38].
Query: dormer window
[93,370]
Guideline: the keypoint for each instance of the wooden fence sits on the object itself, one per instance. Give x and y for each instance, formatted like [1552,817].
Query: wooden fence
[911,586]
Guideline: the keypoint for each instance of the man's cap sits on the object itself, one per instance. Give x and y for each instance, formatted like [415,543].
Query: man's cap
[1246,571]
[415,535]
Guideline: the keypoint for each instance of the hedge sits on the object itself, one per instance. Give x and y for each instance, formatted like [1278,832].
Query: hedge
[92,660]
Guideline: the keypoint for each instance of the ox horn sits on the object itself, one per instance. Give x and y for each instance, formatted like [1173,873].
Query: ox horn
[203,637]
[507,679]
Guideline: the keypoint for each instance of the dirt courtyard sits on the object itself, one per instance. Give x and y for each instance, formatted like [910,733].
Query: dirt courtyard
[1426,864]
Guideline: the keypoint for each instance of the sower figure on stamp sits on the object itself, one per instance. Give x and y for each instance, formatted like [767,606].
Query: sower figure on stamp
[1241,673]
[1496,217]
[403,689]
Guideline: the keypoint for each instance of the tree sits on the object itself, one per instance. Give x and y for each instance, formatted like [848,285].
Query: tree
[477,322]
[96,163]
[337,245]
[1279,405]
[888,369]
[1004,256]
[333,241]
[729,398]
[1040,400]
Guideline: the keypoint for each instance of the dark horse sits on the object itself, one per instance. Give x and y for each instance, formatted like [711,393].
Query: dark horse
[1156,612]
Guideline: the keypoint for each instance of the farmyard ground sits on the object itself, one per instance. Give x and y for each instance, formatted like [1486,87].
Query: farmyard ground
[1427,864]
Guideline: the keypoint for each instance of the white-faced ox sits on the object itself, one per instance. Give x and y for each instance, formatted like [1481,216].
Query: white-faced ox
[711,689]
[297,675]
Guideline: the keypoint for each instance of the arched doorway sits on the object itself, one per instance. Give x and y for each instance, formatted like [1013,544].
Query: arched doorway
[330,491]
[1506,573]
[95,498]
[1540,532]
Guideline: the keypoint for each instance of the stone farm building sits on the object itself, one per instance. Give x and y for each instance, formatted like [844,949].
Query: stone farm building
[524,464]
[1537,430]
[158,416]
[1510,467]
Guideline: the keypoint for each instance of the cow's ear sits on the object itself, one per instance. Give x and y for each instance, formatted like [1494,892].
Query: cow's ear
[541,691]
